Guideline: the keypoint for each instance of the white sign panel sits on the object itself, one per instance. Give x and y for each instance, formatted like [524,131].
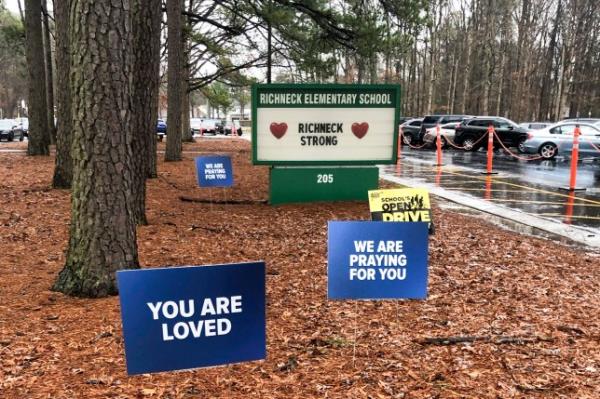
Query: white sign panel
[318,124]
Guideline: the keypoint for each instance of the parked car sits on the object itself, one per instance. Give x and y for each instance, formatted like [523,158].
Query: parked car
[469,133]
[23,124]
[410,130]
[431,120]
[205,125]
[446,133]
[230,126]
[535,125]
[9,130]
[558,139]
[161,129]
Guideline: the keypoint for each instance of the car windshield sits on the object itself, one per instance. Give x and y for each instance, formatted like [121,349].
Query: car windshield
[503,123]
[479,122]
[537,126]
[7,124]
[431,119]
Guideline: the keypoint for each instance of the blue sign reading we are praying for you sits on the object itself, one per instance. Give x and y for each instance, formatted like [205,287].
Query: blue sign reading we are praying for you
[377,260]
[214,171]
[187,317]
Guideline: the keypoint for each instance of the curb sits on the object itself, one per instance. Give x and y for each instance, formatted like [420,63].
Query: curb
[510,218]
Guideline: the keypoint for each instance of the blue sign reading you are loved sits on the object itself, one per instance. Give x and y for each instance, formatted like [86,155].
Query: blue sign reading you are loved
[214,171]
[377,260]
[196,316]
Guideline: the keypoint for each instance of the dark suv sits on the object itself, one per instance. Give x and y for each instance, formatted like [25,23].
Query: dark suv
[470,132]
[431,120]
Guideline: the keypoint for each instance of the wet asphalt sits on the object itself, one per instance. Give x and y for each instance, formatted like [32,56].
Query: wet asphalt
[533,186]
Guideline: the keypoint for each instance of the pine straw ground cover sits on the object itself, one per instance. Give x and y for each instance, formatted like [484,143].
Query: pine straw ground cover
[485,282]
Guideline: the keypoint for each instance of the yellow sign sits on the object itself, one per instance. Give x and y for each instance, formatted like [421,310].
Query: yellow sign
[400,205]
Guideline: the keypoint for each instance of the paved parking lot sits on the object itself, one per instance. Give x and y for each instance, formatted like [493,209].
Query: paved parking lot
[531,187]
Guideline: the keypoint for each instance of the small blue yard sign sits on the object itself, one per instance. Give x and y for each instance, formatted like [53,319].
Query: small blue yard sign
[377,260]
[214,171]
[194,316]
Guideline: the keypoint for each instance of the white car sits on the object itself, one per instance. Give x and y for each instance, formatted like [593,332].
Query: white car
[446,134]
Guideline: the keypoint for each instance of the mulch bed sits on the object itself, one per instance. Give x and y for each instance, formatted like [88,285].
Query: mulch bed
[508,315]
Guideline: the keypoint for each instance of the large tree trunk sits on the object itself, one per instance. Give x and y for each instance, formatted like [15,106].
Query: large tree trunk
[146,61]
[49,73]
[63,170]
[102,234]
[173,151]
[39,139]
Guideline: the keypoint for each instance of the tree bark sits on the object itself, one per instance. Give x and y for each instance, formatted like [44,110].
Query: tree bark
[466,74]
[39,139]
[146,61]
[186,130]
[173,151]
[269,50]
[453,77]
[102,234]
[49,73]
[63,169]
[546,79]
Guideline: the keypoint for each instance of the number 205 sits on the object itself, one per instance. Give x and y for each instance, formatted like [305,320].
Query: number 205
[325,178]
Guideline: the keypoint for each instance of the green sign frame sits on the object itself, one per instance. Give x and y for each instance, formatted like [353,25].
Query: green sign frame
[283,88]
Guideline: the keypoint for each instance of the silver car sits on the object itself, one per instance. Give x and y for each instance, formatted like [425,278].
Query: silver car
[446,134]
[558,139]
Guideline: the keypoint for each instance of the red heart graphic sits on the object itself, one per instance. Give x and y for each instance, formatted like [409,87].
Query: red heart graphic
[360,129]
[278,129]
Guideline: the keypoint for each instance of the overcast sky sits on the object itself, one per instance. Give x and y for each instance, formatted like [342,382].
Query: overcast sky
[12,6]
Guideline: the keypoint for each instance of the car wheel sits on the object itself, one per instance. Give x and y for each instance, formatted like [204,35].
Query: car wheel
[11,136]
[469,144]
[407,138]
[521,146]
[21,137]
[548,150]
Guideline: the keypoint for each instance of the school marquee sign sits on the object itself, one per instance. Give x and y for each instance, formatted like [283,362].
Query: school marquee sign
[324,124]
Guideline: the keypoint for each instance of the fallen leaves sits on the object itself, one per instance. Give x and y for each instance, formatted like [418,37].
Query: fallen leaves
[535,302]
